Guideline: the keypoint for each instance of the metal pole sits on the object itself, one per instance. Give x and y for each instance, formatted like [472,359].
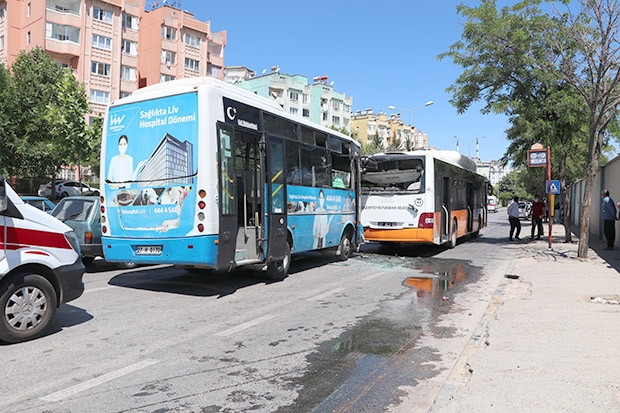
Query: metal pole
[549,197]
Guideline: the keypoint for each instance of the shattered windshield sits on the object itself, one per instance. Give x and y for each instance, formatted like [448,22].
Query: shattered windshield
[393,173]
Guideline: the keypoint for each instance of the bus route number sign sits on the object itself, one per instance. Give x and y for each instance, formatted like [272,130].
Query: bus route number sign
[536,158]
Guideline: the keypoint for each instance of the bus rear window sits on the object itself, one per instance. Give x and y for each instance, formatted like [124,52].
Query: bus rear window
[404,174]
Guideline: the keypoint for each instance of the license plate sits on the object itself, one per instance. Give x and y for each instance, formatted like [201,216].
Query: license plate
[388,224]
[148,250]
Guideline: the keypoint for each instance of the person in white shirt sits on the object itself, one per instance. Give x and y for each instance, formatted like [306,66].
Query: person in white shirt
[513,217]
[121,165]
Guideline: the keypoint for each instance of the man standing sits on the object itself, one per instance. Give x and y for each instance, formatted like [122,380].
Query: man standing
[608,216]
[538,210]
[513,218]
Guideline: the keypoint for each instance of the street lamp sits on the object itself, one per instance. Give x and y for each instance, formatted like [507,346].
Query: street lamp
[429,103]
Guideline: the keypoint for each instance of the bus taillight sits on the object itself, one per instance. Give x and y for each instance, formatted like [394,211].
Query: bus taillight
[427,220]
[201,204]
[201,227]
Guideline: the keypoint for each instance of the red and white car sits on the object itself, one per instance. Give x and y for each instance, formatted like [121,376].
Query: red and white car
[40,267]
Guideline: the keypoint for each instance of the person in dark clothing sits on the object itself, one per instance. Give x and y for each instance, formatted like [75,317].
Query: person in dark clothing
[538,210]
[608,216]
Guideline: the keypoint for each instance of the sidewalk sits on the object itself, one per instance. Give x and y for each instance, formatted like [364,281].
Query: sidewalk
[552,340]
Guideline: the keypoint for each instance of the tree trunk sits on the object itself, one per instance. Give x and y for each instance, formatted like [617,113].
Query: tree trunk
[595,140]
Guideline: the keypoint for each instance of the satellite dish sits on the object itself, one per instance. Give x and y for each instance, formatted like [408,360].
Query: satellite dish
[264,70]
[331,83]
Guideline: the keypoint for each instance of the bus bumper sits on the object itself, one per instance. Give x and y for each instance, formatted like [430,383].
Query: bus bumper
[178,251]
[423,235]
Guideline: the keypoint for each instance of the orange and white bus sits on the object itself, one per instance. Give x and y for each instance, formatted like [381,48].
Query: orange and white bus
[424,196]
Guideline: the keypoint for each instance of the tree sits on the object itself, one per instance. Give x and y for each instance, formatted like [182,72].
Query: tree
[519,56]
[44,107]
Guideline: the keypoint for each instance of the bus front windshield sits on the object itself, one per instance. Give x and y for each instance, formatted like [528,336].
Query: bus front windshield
[393,173]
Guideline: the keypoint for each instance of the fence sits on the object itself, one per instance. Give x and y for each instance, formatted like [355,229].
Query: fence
[604,179]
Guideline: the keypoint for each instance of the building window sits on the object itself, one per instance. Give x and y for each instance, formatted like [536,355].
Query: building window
[2,42]
[129,73]
[294,111]
[99,68]
[130,48]
[102,42]
[325,116]
[165,78]
[2,11]
[304,98]
[125,94]
[192,64]
[335,105]
[305,113]
[336,120]
[130,22]
[28,38]
[169,33]
[293,95]
[168,57]
[102,15]
[62,33]
[192,40]
[28,10]
[99,96]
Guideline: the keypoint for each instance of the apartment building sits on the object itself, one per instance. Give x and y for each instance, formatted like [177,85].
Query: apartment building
[316,101]
[390,130]
[113,46]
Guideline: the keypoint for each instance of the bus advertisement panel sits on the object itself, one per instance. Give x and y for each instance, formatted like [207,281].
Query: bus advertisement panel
[151,161]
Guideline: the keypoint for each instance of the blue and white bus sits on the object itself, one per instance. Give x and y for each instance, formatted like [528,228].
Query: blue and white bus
[202,174]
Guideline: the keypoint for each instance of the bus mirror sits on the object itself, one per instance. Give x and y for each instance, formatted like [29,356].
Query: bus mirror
[3,196]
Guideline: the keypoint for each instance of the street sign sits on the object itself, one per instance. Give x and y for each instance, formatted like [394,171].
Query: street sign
[553,188]
[536,157]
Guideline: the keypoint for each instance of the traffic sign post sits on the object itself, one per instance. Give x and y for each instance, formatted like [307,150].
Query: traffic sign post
[539,156]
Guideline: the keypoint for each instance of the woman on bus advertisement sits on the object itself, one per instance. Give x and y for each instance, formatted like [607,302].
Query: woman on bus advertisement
[150,196]
[322,211]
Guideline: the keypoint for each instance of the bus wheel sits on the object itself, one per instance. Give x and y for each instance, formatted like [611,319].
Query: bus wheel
[344,249]
[27,304]
[452,242]
[277,270]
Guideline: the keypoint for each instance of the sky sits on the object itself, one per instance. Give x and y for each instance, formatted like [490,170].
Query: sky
[380,54]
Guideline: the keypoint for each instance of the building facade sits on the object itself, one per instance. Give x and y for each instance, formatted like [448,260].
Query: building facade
[390,131]
[113,46]
[316,101]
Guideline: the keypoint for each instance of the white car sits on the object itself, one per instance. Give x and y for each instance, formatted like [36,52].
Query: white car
[67,188]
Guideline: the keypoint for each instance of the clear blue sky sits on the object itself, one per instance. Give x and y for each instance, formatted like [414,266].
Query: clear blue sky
[381,54]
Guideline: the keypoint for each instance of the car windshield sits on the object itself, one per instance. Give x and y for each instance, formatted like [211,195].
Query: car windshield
[73,209]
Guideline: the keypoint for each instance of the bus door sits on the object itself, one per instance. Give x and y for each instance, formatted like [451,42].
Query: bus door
[471,204]
[227,187]
[445,208]
[275,199]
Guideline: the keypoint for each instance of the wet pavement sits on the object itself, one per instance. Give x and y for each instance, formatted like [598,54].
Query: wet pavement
[363,368]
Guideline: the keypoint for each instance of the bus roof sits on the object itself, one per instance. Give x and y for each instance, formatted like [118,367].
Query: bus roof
[451,157]
[186,85]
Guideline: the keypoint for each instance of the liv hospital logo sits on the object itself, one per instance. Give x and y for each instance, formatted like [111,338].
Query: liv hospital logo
[119,120]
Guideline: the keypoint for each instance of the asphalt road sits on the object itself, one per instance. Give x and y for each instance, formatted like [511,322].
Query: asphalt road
[379,332]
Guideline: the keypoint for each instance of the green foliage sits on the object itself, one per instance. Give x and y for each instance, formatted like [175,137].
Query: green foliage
[42,117]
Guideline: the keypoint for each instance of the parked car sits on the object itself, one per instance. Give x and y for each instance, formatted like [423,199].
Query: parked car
[39,202]
[67,188]
[83,214]
[492,204]
[525,210]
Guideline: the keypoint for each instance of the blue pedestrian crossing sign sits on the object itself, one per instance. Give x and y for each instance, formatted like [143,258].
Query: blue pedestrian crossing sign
[553,188]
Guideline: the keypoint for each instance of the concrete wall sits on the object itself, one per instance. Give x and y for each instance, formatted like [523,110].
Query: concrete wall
[606,178]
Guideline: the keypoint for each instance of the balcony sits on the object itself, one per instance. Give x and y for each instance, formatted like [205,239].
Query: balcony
[61,47]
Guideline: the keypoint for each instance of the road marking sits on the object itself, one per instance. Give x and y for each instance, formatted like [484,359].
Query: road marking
[373,276]
[70,391]
[325,294]
[244,326]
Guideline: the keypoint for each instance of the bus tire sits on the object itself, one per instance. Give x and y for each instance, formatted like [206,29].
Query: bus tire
[343,252]
[453,235]
[27,306]
[278,270]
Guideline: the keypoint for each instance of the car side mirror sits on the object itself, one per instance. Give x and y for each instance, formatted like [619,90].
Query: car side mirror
[3,197]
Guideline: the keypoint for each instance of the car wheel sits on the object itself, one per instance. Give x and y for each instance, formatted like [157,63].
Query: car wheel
[28,305]
[64,194]
[278,270]
[344,249]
